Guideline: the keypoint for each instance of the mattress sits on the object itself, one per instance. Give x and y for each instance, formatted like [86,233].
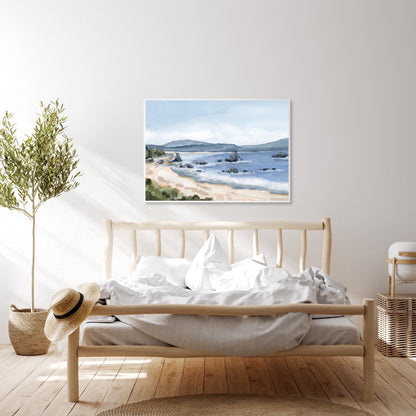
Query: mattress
[323,331]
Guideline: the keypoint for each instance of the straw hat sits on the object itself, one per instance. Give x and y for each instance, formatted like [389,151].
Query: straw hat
[69,308]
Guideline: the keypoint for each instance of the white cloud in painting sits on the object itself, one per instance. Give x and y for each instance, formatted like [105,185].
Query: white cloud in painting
[217,121]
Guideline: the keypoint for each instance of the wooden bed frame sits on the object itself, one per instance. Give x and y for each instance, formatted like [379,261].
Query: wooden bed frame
[367,309]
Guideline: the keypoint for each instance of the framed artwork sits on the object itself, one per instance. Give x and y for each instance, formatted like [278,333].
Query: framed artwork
[217,150]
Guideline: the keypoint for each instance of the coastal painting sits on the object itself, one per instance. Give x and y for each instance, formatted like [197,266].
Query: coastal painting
[217,150]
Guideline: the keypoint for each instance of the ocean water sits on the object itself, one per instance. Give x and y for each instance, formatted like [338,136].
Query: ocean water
[257,170]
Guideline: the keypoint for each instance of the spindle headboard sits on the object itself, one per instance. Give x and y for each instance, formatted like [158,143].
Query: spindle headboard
[206,227]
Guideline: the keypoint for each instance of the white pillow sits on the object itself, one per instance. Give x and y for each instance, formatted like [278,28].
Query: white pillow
[269,276]
[209,263]
[174,269]
[242,276]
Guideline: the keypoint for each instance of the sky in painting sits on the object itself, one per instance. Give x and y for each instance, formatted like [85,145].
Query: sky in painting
[216,121]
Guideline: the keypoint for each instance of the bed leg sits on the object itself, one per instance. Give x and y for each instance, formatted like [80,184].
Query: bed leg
[72,367]
[369,339]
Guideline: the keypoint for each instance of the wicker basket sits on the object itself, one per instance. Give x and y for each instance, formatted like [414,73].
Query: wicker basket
[26,331]
[396,325]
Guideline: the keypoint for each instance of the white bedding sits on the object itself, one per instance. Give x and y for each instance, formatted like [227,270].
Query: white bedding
[233,336]
[209,279]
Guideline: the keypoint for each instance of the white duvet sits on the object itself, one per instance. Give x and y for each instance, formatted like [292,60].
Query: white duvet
[233,336]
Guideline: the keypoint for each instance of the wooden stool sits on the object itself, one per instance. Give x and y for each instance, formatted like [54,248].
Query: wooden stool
[391,287]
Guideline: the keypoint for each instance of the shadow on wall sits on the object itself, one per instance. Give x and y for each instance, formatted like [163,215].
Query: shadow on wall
[112,190]
[70,231]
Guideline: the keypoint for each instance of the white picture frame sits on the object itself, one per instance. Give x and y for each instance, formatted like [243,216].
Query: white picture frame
[217,151]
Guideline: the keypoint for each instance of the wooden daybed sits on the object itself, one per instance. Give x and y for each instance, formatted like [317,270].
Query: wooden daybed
[366,309]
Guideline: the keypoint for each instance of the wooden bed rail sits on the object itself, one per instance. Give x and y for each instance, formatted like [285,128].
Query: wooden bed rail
[220,310]
[217,225]
[207,227]
[176,352]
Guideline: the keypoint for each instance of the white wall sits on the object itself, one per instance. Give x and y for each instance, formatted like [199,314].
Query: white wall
[347,66]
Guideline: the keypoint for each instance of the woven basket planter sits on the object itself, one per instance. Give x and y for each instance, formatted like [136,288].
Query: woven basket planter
[26,331]
[396,335]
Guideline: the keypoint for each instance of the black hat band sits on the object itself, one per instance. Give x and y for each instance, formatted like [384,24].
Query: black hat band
[73,310]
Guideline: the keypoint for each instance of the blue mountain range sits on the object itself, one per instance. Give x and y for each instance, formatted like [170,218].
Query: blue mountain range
[200,146]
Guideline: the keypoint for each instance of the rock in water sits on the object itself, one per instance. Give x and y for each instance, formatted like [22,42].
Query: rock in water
[280,155]
[200,162]
[177,158]
[232,170]
[234,157]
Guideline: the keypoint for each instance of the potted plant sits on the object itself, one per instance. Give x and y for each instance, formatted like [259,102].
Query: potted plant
[33,170]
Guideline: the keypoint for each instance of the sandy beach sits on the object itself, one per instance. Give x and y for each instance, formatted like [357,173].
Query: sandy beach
[164,176]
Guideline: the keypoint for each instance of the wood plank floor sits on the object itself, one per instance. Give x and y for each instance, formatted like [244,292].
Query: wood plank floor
[37,385]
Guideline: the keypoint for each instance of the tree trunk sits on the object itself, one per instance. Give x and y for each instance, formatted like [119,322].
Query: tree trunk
[32,306]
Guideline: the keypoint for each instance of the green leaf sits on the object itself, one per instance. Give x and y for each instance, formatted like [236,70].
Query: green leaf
[39,167]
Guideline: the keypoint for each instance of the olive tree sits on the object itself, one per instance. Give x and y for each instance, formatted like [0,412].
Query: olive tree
[40,167]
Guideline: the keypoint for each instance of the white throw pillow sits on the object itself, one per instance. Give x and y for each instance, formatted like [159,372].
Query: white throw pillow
[174,269]
[209,262]
[242,276]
